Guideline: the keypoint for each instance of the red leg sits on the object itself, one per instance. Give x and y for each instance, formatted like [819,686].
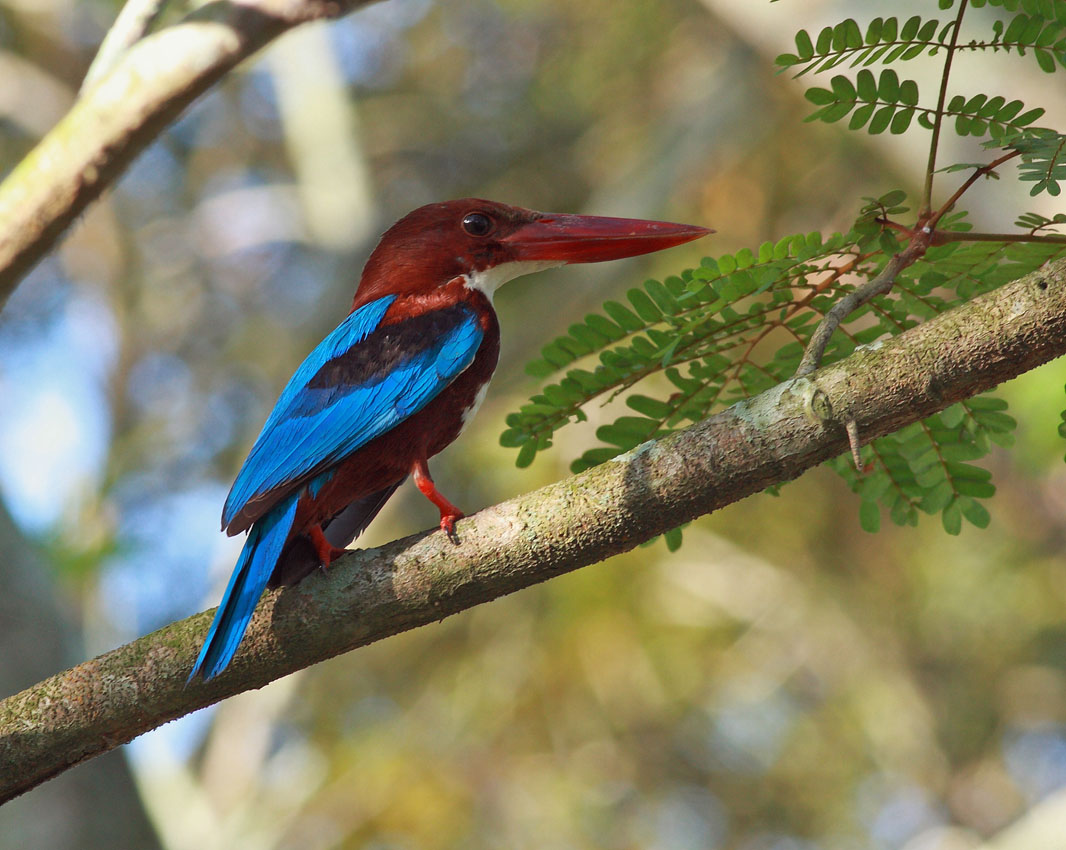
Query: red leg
[449,513]
[326,551]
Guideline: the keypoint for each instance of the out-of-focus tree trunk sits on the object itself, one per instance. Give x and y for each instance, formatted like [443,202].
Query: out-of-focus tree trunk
[95,804]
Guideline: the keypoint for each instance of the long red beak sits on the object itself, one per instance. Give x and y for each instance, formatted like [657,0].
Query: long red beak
[593,239]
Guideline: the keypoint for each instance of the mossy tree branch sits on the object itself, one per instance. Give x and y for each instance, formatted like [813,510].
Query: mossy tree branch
[372,594]
[118,116]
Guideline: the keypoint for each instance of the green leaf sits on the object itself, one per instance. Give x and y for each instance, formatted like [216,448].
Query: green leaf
[892,199]
[603,326]
[881,120]
[952,518]
[901,121]
[866,86]
[976,489]
[986,402]
[952,416]
[555,354]
[1028,117]
[662,297]
[668,352]
[843,90]
[672,539]
[975,512]
[869,517]
[888,86]
[539,368]
[852,34]
[825,41]
[1015,28]
[625,317]
[512,438]
[874,30]
[938,498]
[860,116]
[996,421]
[644,306]
[526,455]
[649,406]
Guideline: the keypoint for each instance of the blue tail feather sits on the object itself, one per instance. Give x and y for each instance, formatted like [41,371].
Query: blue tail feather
[261,551]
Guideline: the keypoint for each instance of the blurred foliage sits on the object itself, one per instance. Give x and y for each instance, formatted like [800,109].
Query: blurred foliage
[784,682]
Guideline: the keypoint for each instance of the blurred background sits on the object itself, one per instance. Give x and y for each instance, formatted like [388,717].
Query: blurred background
[784,682]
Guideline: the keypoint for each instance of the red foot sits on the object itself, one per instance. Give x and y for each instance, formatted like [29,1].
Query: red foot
[449,513]
[326,551]
[447,524]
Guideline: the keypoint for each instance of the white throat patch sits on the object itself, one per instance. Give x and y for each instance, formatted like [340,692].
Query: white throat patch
[489,280]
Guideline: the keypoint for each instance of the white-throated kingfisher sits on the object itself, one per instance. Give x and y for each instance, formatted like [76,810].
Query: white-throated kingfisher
[391,386]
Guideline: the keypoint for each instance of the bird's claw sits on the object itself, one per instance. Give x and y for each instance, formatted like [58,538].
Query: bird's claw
[327,553]
[447,525]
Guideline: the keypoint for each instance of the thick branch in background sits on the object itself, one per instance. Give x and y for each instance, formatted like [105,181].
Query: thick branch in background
[120,115]
[372,594]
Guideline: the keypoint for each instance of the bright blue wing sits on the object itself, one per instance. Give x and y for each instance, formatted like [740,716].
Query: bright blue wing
[321,418]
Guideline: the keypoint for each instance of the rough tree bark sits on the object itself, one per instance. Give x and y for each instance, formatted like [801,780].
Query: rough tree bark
[371,594]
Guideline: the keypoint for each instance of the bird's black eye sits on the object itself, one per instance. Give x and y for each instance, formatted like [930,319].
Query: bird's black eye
[477,224]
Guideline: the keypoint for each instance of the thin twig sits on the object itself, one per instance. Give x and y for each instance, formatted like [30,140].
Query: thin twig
[983,171]
[942,237]
[852,429]
[930,168]
[879,285]
[922,237]
[133,23]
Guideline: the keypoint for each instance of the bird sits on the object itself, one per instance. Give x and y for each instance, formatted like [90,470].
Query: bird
[391,386]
